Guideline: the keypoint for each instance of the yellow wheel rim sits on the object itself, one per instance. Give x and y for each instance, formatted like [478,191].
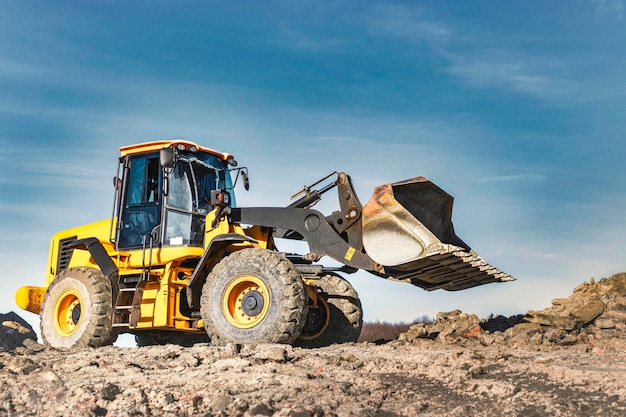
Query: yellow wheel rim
[246,301]
[68,313]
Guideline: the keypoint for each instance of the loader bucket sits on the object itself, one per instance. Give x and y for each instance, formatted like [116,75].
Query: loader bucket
[408,230]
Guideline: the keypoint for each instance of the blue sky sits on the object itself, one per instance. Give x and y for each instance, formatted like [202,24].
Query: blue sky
[515,108]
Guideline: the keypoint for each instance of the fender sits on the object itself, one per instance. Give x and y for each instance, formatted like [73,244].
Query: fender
[213,253]
[103,260]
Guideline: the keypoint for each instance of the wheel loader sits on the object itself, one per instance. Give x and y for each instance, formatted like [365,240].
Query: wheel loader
[180,262]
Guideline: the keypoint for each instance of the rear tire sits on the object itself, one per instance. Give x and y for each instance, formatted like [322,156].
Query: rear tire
[77,310]
[254,296]
[339,300]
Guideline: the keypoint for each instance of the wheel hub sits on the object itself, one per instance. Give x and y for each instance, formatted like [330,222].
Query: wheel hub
[252,303]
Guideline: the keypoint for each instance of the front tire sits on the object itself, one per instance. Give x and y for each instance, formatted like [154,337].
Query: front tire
[77,310]
[254,296]
[338,317]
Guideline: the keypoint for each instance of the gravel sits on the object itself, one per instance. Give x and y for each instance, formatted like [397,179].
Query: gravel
[396,379]
[566,360]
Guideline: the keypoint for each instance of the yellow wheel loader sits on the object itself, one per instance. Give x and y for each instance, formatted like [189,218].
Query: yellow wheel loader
[179,262]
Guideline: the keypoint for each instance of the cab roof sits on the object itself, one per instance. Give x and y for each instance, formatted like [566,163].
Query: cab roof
[157,145]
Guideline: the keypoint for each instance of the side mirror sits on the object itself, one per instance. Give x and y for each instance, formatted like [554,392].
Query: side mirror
[167,157]
[246,181]
[244,177]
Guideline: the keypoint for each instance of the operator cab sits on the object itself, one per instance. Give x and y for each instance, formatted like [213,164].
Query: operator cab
[164,190]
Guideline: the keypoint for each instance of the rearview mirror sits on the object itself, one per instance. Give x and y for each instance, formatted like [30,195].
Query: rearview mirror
[167,157]
[243,171]
[246,182]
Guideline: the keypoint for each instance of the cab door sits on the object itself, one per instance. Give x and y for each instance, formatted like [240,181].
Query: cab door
[140,210]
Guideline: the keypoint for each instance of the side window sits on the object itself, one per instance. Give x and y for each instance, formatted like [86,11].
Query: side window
[180,188]
[152,180]
[135,181]
[143,181]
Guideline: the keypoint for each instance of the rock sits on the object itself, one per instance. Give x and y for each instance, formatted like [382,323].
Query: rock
[524,329]
[617,315]
[33,346]
[259,409]
[232,349]
[600,303]
[14,331]
[273,353]
[614,302]
[536,339]
[569,339]
[231,363]
[569,316]
[554,334]
[559,301]
[473,331]
[453,324]
[487,339]
[605,324]
[554,320]
[589,311]
[416,331]
[475,371]
[110,391]
[189,359]
[221,403]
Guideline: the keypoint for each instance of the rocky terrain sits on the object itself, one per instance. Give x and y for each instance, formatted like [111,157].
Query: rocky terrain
[566,360]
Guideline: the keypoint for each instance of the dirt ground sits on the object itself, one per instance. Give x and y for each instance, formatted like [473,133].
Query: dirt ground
[566,360]
[395,379]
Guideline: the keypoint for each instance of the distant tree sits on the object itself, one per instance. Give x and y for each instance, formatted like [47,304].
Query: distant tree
[424,319]
[384,331]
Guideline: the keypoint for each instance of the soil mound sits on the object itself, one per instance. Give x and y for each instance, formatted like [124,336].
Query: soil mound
[15,332]
[594,316]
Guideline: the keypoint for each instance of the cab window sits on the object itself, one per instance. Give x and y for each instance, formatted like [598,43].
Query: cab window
[140,213]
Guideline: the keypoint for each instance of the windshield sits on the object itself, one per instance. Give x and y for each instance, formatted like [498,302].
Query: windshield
[188,198]
[192,180]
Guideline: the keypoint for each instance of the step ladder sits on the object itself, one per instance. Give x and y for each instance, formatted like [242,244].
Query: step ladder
[129,298]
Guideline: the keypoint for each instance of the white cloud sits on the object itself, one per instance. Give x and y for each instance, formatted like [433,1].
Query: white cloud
[615,7]
[514,178]
[481,60]
[515,71]
[13,69]
[294,38]
[409,23]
